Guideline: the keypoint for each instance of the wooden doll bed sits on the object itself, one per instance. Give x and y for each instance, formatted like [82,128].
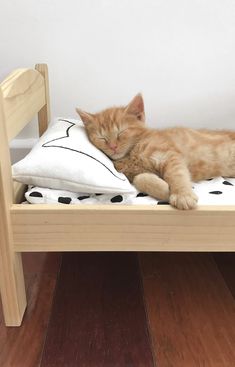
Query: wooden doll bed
[27,228]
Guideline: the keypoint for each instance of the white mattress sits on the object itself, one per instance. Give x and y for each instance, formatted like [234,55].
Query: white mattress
[215,191]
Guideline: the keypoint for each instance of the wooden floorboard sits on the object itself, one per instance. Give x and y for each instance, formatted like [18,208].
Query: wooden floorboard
[191,310]
[22,346]
[226,265]
[98,317]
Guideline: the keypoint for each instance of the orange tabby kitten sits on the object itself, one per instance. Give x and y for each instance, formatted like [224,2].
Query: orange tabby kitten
[161,163]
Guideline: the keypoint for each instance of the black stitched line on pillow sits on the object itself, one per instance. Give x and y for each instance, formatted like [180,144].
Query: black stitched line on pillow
[74,150]
[67,132]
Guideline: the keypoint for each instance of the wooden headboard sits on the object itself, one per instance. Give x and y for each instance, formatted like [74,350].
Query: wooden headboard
[23,94]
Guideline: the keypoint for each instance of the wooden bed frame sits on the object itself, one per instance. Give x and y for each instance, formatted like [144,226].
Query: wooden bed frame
[28,228]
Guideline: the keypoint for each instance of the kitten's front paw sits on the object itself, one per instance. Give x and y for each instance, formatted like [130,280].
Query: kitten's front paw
[118,165]
[184,201]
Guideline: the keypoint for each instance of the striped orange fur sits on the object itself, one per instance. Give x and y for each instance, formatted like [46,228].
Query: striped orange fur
[161,163]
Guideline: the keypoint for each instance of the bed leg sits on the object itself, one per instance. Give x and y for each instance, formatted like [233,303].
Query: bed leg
[11,271]
[11,283]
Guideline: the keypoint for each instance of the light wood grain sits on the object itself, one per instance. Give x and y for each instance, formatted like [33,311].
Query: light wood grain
[11,272]
[44,113]
[121,228]
[18,192]
[23,96]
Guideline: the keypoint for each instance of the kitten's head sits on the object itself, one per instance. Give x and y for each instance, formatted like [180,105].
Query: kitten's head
[116,130]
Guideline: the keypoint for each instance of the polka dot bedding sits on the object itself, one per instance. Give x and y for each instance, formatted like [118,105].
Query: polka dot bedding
[214,191]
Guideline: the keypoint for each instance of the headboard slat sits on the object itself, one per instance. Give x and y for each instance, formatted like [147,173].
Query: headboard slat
[23,96]
[44,114]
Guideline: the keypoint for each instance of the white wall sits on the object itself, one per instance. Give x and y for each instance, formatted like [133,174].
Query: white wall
[179,54]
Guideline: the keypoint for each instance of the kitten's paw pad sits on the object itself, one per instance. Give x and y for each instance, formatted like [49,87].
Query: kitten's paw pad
[184,201]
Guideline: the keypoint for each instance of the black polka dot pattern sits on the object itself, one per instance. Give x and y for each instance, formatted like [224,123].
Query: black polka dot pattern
[36,194]
[141,195]
[227,183]
[83,197]
[162,202]
[64,200]
[117,199]
[214,191]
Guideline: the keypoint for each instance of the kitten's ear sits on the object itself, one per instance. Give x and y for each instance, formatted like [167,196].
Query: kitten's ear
[86,117]
[136,107]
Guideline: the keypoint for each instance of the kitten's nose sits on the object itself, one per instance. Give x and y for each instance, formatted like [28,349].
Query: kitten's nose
[113,146]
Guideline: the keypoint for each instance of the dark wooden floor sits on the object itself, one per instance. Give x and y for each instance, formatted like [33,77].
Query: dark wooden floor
[125,310]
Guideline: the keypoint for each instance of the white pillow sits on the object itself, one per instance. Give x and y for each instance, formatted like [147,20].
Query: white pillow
[65,159]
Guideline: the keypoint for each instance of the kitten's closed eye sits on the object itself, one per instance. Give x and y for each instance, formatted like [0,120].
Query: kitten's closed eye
[119,133]
[102,138]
